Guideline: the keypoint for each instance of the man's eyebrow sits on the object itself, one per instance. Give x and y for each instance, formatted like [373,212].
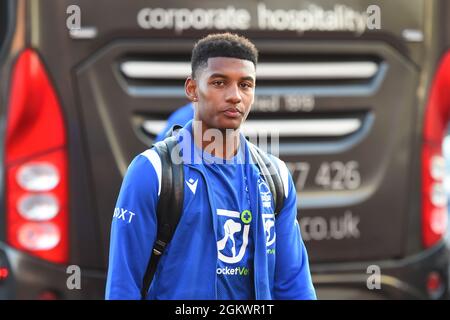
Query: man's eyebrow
[220,75]
[248,78]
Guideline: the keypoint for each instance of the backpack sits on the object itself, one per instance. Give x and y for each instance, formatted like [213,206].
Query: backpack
[170,204]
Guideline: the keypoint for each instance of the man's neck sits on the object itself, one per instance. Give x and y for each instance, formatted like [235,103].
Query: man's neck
[221,143]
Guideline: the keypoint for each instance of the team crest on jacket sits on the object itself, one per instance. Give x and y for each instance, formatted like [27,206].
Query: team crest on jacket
[233,232]
[265,194]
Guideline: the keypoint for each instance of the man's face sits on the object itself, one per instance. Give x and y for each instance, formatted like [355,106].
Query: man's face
[225,92]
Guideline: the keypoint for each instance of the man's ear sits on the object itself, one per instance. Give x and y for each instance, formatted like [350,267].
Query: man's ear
[190,88]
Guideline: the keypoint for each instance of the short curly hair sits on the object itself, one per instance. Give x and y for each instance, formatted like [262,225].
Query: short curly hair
[227,45]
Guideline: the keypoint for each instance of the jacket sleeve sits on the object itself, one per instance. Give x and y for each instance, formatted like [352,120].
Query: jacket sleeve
[133,229]
[292,274]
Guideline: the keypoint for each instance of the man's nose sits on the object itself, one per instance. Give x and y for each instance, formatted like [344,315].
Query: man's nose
[233,94]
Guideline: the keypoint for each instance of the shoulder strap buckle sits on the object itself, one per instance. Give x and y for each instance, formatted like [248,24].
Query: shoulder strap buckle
[159,247]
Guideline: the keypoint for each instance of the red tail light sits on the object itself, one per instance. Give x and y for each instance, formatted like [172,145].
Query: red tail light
[435,285]
[36,164]
[434,200]
[3,274]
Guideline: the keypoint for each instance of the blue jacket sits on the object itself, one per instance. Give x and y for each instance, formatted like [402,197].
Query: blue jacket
[187,270]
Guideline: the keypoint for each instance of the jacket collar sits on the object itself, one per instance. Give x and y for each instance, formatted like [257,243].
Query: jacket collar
[193,155]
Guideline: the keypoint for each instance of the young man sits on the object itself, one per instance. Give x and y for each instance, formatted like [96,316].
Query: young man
[228,243]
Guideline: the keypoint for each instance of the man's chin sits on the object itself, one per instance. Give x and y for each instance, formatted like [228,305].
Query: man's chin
[230,126]
[230,123]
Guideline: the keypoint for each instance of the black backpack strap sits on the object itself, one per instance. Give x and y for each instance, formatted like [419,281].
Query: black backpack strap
[170,204]
[270,174]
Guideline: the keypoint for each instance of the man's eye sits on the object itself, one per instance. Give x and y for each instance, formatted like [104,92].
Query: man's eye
[246,85]
[218,83]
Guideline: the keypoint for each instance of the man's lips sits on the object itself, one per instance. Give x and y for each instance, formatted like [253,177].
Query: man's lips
[232,112]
